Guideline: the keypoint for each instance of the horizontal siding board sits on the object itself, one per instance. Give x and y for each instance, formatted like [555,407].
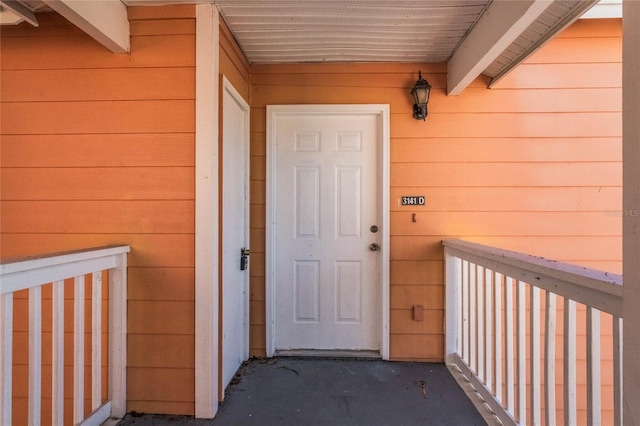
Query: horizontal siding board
[154,284]
[511,199]
[505,174]
[160,317]
[416,272]
[257,312]
[481,100]
[572,249]
[418,347]
[91,217]
[563,76]
[95,117]
[509,125]
[505,150]
[175,11]
[107,183]
[160,351]
[285,94]
[405,296]
[115,84]
[564,50]
[83,52]
[148,250]
[164,27]
[99,150]
[502,224]
[402,322]
[160,384]
[586,28]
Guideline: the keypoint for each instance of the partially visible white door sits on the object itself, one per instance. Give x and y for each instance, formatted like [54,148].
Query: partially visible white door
[327,241]
[235,227]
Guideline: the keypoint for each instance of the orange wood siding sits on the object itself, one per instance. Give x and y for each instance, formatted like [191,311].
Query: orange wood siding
[98,148]
[532,165]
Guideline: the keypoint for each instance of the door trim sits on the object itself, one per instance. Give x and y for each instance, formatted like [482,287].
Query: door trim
[273,112]
[244,106]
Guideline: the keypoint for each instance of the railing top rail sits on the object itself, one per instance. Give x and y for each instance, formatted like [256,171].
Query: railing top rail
[602,290]
[39,270]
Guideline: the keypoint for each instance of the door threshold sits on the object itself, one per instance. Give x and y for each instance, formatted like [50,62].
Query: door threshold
[327,353]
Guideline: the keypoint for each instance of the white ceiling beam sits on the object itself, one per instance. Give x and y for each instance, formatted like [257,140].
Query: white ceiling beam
[499,26]
[104,20]
[22,12]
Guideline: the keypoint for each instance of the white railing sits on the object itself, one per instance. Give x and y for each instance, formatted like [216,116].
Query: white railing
[27,279]
[505,311]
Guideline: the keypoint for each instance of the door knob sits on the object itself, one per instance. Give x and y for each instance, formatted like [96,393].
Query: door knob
[374,247]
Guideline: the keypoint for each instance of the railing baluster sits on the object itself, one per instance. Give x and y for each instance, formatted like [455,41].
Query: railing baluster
[57,355]
[570,414]
[459,313]
[465,311]
[497,341]
[550,359]
[480,304]
[35,354]
[473,328]
[534,336]
[96,337]
[488,286]
[522,356]
[594,400]
[6,357]
[78,351]
[617,371]
[508,322]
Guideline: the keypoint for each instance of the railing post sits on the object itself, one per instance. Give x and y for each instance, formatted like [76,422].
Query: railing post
[453,278]
[118,337]
[35,354]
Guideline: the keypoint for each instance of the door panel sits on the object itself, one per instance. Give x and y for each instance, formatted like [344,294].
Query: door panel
[235,223]
[327,281]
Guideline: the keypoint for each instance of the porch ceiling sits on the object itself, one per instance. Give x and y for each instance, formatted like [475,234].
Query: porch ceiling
[474,37]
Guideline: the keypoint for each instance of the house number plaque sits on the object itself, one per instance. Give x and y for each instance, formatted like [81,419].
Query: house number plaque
[413,200]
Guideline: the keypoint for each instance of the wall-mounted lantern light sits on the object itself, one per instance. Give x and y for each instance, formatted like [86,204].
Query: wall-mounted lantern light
[420,94]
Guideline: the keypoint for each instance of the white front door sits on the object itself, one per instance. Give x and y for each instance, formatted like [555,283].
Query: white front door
[235,224]
[327,237]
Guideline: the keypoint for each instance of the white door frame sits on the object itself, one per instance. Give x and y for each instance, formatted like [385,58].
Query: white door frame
[273,111]
[244,106]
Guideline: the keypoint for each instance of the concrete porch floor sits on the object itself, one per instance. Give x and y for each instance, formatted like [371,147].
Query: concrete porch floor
[321,391]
